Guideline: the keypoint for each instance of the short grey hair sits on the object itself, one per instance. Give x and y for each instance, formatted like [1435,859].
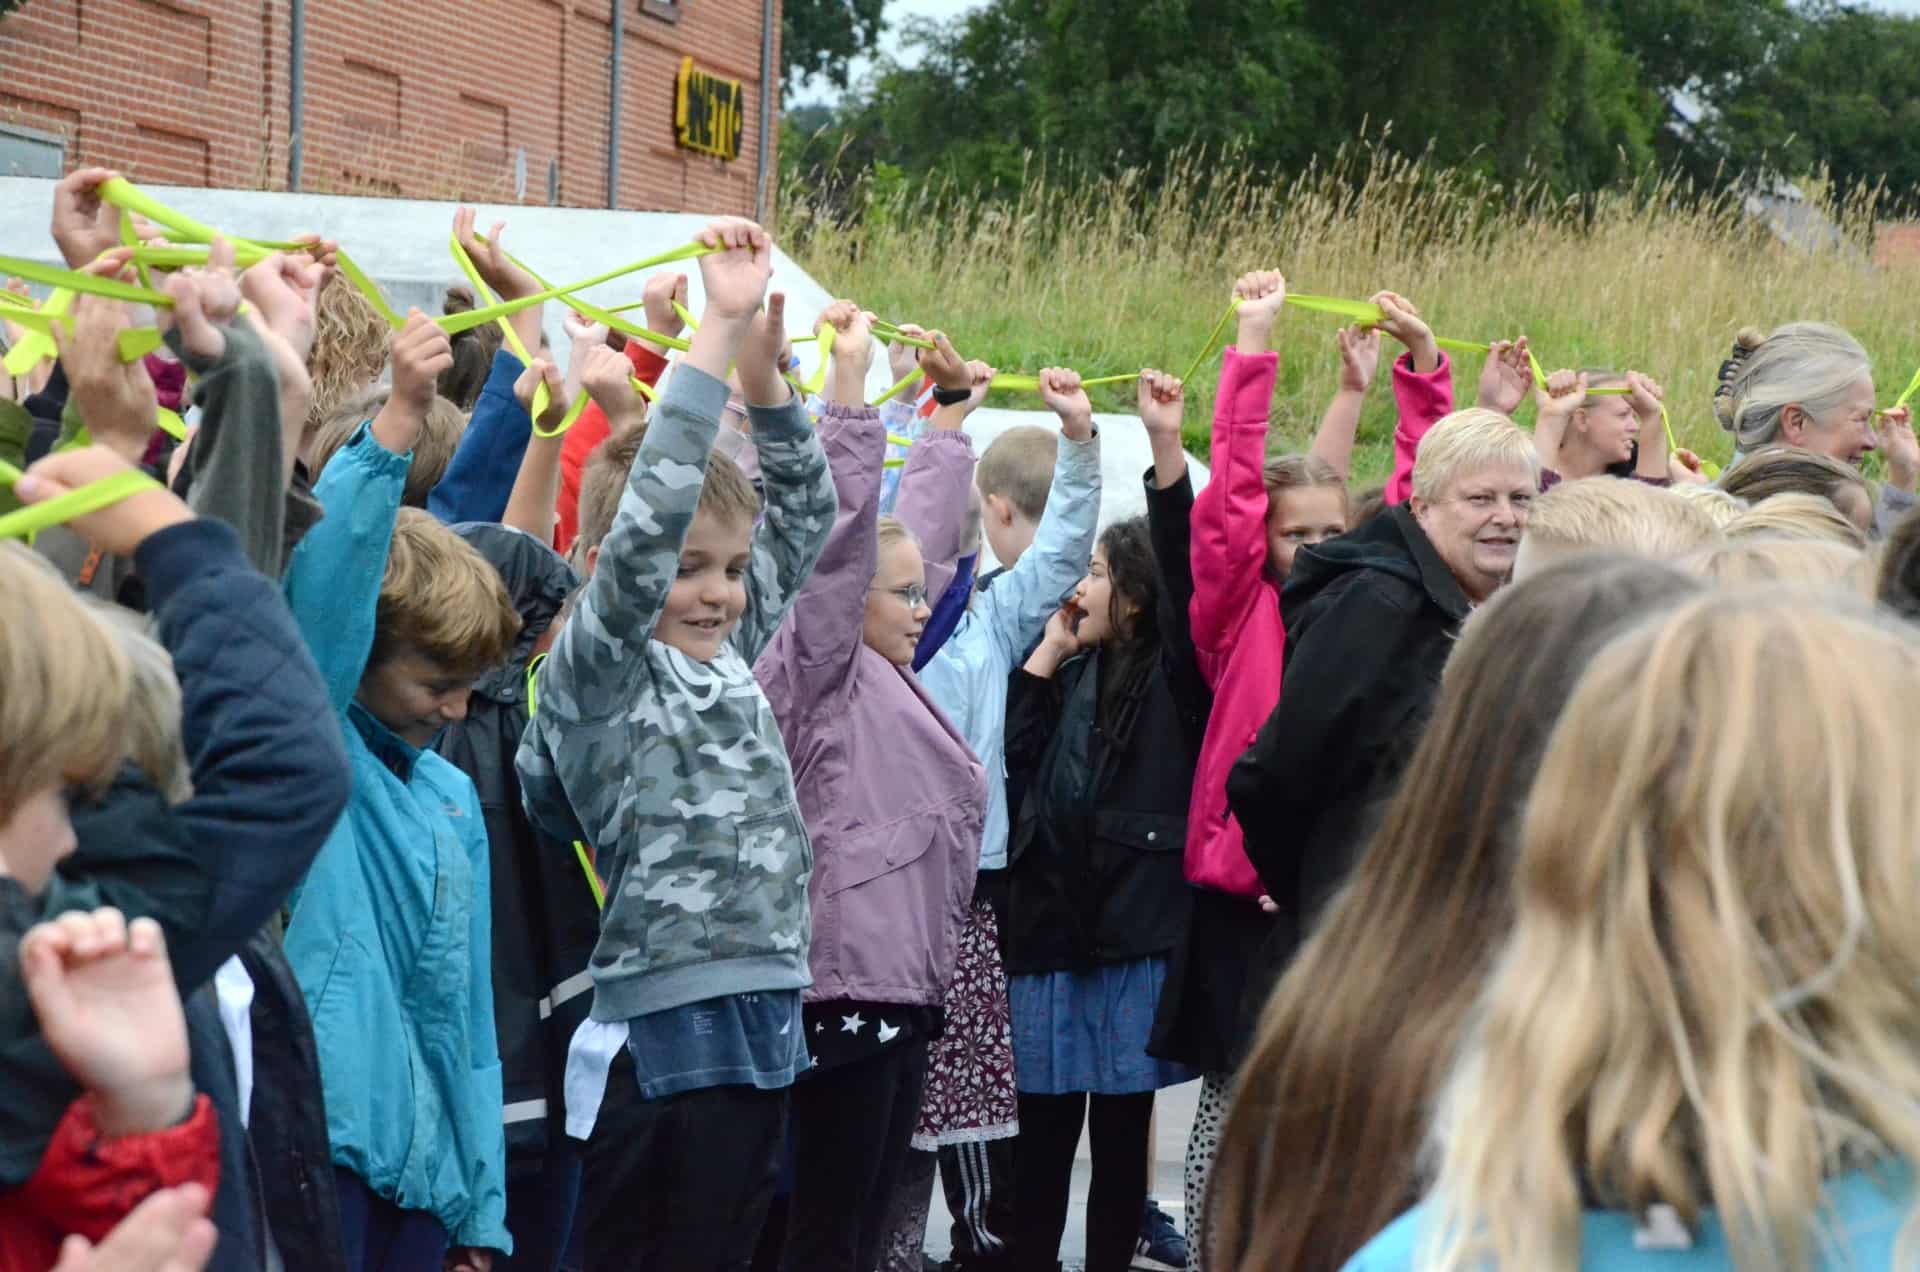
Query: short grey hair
[1465,442]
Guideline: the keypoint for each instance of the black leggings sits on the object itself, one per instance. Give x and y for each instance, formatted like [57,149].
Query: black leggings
[1049,1136]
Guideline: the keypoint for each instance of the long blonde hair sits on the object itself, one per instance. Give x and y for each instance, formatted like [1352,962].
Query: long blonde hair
[1712,989]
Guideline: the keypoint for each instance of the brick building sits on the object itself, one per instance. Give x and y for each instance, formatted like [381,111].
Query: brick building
[484,100]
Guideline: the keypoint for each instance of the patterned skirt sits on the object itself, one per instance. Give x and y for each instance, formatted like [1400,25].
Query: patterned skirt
[970,1093]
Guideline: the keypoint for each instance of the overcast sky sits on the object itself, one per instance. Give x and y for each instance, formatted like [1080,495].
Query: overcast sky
[898,10]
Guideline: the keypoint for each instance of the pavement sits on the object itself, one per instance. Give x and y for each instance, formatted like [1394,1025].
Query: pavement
[1173,1118]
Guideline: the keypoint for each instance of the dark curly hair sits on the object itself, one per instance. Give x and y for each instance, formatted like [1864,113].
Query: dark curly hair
[1133,611]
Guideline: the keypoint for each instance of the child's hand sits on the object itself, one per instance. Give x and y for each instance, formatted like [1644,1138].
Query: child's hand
[1359,357]
[1893,434]
[321,251]
[606,377]
[852,333]
[421,351]
[1260,293]
[1566,392]
[1403,322]
[763,355]
[902,359]
[114,398]
[204,302]
[944,365]
[1685,469]
[1060,637]
[1163,401]
[467,1259]
[109,1009]
[583,336]
[490,259]
[982,385]
[735,278]
[1506,377]
[83,225]
[285,290]
[557,397]
[167,1232]
[1644,395]
[1060,390]
[119,527]
[658,297]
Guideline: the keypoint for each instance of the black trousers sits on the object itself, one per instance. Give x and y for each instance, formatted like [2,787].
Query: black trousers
[1049,1136]
[680,1184]
[978,1182]
[851,1127]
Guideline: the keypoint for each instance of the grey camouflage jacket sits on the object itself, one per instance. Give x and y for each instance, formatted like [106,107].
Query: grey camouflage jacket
[672,769]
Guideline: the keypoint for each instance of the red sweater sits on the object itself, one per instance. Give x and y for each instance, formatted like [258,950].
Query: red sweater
[87,1183]
[588,432]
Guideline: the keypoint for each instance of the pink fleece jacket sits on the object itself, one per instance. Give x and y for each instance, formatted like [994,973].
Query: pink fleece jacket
[1235,614]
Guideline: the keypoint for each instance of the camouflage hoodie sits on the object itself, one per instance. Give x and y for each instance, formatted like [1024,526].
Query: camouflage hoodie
[673,769]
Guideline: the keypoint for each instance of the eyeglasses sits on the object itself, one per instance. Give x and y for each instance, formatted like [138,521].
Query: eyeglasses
[913,595]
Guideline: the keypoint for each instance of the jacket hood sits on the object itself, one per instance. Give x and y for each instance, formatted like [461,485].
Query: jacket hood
[538,580]
[1392,542]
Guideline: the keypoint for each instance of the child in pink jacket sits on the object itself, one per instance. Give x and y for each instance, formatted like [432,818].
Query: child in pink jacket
[1248,523]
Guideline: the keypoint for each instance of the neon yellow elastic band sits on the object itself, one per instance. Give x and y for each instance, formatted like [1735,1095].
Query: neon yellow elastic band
[644,389]
[818,382]
[1913,386]
[75,280]
[453,323]
[366,287]
[171,424]
[1206,350]
[579,849]
[693,324]
[542,399]
[894,439]
[16,301]
[606,317]
[38,347]
[899,386]
[23,523]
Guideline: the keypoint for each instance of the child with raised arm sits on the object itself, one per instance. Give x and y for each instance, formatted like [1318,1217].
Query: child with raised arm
[390,934]
[893,800]
[652,745]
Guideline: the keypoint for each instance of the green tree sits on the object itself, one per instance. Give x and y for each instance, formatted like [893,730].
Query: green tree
[821,37]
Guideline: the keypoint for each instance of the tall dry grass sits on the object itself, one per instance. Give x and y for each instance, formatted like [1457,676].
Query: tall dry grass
[1109,275]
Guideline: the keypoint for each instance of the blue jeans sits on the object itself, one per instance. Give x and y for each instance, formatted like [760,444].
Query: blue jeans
[381,1237]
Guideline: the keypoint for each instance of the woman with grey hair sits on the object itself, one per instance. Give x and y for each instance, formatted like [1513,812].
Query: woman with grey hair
[1809,385]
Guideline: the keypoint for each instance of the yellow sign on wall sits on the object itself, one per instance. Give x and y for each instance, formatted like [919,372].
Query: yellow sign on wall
[709,113]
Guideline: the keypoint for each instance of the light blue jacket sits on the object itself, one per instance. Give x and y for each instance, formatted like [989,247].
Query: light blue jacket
[968,677]
[1864,1214]
[390,936]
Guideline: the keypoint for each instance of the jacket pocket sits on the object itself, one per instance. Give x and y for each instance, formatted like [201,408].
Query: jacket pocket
[1139,891]
[863,857]
[764,908]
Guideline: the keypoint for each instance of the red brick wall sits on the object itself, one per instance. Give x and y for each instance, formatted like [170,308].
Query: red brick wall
[405,98]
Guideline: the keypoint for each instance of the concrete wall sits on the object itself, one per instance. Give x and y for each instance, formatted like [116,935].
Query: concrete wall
[404,98]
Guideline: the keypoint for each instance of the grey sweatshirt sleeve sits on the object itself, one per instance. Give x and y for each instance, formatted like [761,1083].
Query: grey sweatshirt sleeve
[236,464]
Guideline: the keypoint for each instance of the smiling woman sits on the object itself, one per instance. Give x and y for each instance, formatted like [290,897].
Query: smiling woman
[1370,619]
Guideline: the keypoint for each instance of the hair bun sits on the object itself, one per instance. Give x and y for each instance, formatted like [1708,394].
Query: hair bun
[459,300]
[1745,341]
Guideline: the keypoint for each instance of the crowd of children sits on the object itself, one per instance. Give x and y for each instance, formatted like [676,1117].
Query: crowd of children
[433,840]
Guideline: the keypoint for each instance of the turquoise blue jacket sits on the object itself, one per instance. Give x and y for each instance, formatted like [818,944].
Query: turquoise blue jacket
[390,936]
[1864,1214]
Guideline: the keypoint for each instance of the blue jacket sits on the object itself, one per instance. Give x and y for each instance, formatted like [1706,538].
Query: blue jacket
[968,677]
[1864,1214]
[479,479]
[391,932]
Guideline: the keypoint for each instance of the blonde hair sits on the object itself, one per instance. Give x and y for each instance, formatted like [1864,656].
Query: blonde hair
[1812,365]
[1613,512]
[63,684]
[1712,985]
[1719,506]
[350,342]
[152,720]
[1282,473]
[1018,466]
[1797,516]
[1465,442]
[892,530]
[442,600]
[432,450]
[1770,559]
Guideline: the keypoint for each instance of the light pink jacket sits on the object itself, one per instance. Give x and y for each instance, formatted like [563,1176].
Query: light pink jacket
[1237,632]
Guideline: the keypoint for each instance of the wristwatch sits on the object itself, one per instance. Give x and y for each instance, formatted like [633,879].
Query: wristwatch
[950,397]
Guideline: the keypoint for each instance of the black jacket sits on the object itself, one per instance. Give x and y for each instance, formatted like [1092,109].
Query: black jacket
[1370,619]
[1097,848]
[545,921]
